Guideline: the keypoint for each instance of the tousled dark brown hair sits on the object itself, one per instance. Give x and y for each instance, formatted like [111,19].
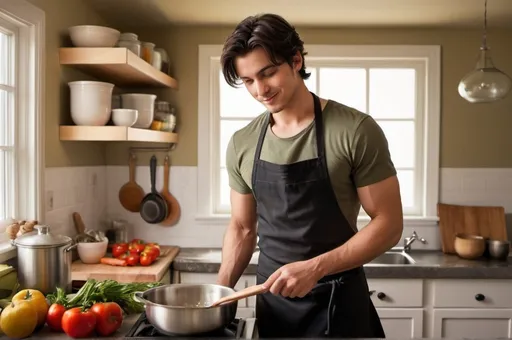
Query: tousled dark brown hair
[271,32]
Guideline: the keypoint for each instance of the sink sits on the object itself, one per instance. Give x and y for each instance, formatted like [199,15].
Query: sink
[393,258]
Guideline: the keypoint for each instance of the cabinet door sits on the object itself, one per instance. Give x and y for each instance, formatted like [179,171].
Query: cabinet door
[402,323]
[472,323]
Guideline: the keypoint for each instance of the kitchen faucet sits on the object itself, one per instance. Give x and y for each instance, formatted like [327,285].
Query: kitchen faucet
[410,240]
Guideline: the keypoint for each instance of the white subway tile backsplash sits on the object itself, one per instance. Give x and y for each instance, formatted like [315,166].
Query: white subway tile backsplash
[93,192]
[71,190]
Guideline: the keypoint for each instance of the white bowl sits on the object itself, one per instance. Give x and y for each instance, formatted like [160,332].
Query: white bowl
[124,117]
[91,102]
[92,252]
[93,36]
[144,104]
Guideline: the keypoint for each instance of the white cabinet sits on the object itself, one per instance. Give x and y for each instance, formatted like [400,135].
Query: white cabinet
[472,308]
[402,323]
[472,323]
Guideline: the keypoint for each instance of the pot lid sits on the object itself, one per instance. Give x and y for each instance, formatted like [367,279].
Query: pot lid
[43,238]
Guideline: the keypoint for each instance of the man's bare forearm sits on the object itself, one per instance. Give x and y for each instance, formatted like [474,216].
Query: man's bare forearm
[377,237]
[238,248]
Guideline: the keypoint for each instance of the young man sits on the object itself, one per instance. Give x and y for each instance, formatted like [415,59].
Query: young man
[300,173]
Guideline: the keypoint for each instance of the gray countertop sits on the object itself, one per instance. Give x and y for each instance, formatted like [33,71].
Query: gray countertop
[429,264]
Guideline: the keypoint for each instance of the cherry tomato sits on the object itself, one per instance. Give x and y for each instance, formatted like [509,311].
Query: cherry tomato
[153,251]
[132,259]
[78,323]
[54,316]
[109,317]
[119,249]
[136,248]
[146,259]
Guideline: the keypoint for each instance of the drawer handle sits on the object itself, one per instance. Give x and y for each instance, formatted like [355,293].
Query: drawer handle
[380,295]
[479,297]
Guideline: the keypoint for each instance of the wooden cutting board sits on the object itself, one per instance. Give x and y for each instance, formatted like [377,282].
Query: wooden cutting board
[476,220]
[82,272]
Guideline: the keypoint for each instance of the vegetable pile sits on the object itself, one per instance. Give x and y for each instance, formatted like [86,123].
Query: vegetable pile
[98,307]
[136,252]
[104,291]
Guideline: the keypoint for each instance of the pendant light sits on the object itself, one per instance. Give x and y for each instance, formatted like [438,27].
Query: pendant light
[485,83]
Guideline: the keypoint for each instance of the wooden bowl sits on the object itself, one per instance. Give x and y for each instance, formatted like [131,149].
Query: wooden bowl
[469,246]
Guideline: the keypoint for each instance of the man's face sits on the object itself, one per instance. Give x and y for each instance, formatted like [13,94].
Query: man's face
[272,85]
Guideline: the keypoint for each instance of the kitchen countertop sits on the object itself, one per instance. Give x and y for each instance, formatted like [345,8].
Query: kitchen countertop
[429,264]
[128,322]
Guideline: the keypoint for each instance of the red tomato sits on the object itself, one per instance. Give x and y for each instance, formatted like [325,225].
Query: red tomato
[119,248]
[136,248]
[146,259]
[109,317]
[132,259]
[78,323]
[54,316]
[153,251]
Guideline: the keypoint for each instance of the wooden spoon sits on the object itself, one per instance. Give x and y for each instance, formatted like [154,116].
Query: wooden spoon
[246,292]
[131,194]
[173,206]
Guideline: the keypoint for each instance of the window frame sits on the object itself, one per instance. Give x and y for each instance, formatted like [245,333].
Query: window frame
[29,106]
[208,120]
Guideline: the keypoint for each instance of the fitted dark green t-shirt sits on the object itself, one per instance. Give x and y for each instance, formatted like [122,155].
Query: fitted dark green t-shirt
[356,151]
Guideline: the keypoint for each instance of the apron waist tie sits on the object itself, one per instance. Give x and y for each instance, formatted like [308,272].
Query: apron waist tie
[332,304]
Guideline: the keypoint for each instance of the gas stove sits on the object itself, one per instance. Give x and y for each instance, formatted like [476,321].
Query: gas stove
[239,328]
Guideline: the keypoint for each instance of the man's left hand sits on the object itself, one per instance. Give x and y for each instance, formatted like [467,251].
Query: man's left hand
[293,280]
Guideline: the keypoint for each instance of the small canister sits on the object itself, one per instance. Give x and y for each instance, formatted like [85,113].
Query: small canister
[147,49]
[131,42]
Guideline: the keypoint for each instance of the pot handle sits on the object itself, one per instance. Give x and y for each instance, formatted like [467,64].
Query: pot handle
[137,296]
[71,247]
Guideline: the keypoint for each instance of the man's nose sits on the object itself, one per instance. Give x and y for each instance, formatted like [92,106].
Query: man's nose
[261,88]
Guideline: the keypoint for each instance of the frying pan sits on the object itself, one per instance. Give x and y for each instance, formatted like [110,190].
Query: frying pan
[153,208]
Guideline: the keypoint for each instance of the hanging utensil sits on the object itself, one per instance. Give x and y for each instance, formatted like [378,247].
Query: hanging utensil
[131,194]
[173,206]
[153,208]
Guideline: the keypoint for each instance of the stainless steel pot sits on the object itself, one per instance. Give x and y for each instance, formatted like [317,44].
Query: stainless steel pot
[176,309]
[44,260]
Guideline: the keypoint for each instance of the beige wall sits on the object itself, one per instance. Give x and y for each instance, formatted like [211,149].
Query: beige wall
[471,135]
[60,14]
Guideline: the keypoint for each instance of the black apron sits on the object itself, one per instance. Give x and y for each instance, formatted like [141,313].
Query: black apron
[299,218]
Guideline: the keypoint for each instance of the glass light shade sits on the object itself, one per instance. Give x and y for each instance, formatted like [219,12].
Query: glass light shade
[485,83]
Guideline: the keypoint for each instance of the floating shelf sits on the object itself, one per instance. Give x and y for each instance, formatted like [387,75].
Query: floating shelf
[114,133]
[117,65]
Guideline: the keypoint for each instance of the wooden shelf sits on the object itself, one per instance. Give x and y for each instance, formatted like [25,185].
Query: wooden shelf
[114,133]
[117,65]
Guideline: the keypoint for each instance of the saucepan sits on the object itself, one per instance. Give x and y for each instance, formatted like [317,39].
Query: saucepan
[187,309]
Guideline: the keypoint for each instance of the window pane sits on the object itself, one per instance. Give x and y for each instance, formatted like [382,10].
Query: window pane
[4,59]
[6,182]
[224,187]
[6,119]
[237,102]
[344,85]
[227,129]
[400,136]
[392,93]
[311,81]
[407,191]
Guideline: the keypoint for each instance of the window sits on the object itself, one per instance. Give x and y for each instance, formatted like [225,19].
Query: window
[21,107]
[397,85]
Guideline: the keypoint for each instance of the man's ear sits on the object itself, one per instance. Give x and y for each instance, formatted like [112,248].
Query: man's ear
[297,61]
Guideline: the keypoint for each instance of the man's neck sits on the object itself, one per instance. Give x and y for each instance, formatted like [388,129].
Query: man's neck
[300,109]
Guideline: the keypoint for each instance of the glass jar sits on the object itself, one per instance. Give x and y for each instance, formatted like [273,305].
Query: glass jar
[165,60]
[147,49]
[131,42]
[165,116]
